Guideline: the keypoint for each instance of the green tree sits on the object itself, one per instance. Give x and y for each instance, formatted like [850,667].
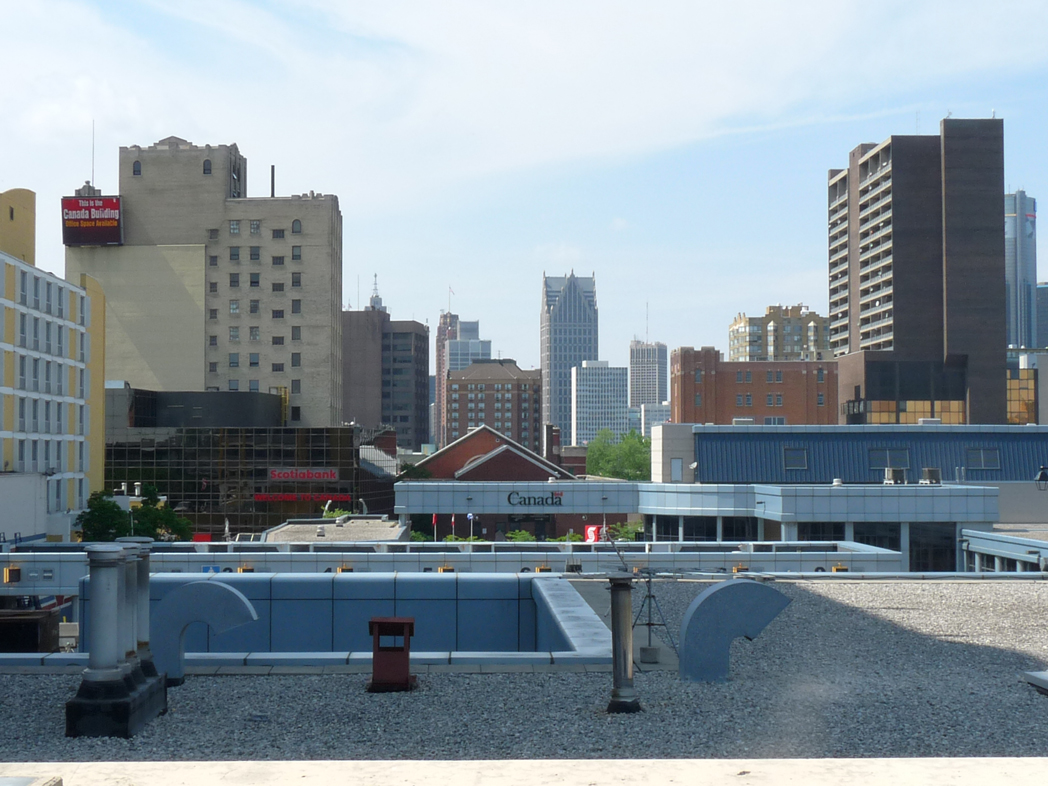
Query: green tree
[105,521]
[628,458]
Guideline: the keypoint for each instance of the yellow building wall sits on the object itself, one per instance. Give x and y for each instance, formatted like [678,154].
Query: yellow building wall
[154,325]
[18,224]
[96,395]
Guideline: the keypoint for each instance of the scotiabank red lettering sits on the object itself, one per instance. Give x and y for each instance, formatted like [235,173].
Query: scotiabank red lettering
[303,474]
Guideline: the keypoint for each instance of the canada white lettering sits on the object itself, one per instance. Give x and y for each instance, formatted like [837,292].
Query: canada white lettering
[553,499]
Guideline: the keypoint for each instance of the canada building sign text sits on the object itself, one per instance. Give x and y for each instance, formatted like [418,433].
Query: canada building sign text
[554,499]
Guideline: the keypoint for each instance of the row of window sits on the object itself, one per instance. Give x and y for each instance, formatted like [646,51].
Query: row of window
[254,334]
[255,255]
[897,458]
[253,385]
[255,227]
[49,337]
[54,296]
[255,281]
[496,386]
[46,417]
[253,362]
[481,396]
[45,455]
[36,375]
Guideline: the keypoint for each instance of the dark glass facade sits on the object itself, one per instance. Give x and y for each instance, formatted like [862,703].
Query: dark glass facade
[256,478]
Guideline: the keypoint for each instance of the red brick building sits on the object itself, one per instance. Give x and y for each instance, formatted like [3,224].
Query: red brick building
[498,394]
[706,389]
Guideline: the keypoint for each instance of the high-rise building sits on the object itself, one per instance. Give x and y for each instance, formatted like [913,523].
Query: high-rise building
[458,345]
[598,400]
[1042,315]
[705,389]
[917,276]
[52,397]
[648,373]
[386,373]
[783,333]
[1020,268]
[208,289]
[567,337]
[499,394]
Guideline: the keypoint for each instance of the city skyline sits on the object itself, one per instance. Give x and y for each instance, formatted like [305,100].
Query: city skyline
[549,157]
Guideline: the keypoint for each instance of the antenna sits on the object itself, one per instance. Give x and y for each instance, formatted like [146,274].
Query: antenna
[645,321]
[918,130]
[358,290]
[92,151]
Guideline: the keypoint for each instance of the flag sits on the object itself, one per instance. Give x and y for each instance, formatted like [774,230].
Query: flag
[434,527]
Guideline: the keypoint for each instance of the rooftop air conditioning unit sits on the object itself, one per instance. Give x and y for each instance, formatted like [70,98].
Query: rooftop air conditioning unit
[931,476]
[742,421]
[893,476]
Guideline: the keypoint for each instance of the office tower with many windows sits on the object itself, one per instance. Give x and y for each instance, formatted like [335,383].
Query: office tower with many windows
[648,373]
[567,337]
[1042,315]
[458,344]
[917,277]
[783,333]
[1020,268]
[598,401]
[213,290]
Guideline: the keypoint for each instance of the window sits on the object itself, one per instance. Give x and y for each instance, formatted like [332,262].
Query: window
[278,234]
[278,341]
[278,313]
[774,420]
[296,386]
[256,280]
[296,279]
[252,360]
[255,253]
[278,261]
[234,334]
[738,399]
[234,384]
[894,458]
[252,385]
[234,360]
[253,333]
[698,399]
[296,413]
[296,227]
[234,280]
[296,253]
[212,234]
[296,333]
[296,306]
[296,359]
[207,166]
[212,261]
[778,376]
[749,377]
[778,399]
[212,287]
[136,169]
[821,400]
[698,376]
[234,306]
[738,377]
[252,307]
[984,458]
[212,341]
[256,227]
[795,458]
[278,367]
[212,313]
[771,398]
[749,399]
[212,367]
[278,286]
[234,253]
[820,375]
[770,377]
[234,227]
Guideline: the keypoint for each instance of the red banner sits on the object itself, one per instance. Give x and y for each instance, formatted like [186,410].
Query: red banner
[92,221]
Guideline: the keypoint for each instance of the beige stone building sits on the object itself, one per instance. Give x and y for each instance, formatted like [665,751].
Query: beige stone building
[215,290]
[783,333]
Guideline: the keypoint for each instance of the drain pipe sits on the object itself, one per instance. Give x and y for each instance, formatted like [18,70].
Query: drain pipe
[145,655]
[623,697]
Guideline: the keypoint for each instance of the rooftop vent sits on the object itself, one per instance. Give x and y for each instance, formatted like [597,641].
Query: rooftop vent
[931,476]
[894,475]
[929,421]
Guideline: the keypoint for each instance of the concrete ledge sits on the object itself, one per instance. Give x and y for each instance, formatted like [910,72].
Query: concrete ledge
[584,658]
[504,658]
[9,659]
[580,625]
[216,658]
[78,659]
[1038,679]
[430,658]
[295,659]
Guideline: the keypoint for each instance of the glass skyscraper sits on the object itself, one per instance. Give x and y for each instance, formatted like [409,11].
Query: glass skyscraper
[568,336]
[1020,268]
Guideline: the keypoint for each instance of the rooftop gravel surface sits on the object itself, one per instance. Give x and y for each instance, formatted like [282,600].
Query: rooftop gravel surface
[849,669]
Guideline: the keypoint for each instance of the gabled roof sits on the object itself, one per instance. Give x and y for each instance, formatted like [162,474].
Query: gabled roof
[505,444]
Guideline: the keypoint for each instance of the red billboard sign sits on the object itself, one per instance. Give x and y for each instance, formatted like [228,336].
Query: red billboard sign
[92,221]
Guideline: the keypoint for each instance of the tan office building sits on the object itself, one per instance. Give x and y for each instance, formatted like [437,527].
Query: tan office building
[213,290]
[783,333]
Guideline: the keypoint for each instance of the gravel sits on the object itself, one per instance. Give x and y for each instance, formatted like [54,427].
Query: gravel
[849,669]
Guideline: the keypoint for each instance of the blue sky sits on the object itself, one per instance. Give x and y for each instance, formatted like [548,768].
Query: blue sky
[678,150]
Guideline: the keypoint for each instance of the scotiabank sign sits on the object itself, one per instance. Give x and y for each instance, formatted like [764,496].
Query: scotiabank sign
[92,221]
[303,473]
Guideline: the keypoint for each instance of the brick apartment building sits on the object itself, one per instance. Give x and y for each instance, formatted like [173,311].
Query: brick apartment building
[706,389]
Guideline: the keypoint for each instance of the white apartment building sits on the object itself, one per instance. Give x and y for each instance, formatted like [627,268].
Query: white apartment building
[598,400]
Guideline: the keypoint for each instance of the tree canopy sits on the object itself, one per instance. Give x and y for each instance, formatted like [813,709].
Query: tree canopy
[628,458]
[105,521]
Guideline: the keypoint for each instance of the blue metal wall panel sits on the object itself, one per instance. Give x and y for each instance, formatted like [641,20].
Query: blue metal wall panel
[741,454]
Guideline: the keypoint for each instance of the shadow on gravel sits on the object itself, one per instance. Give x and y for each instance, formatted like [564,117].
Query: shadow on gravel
[847,670]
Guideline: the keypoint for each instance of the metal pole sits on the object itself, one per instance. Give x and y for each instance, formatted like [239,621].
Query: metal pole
[623,697]
[106,563]
[145,545]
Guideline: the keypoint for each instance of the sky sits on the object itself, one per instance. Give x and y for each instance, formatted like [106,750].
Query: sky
[678,151]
